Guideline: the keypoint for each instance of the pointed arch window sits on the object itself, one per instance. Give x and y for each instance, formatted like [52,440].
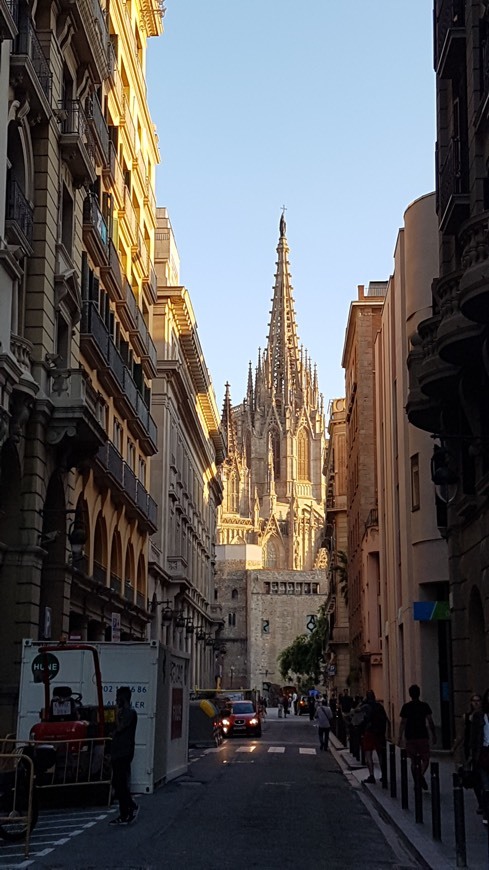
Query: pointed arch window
[248,449]
[275,444]
[303,455]
[233,493]
[271,555]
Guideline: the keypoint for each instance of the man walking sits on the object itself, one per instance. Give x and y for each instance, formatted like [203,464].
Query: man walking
[373,736]
[324,717]
[122,754]
[416,718]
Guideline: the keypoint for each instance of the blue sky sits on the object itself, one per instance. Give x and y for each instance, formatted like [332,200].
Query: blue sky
[325,106]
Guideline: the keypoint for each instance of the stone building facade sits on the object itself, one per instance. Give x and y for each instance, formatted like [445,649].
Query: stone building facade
[184,479]
[270,557]
[361,492]
[336,541]
[77,219]
[448,358]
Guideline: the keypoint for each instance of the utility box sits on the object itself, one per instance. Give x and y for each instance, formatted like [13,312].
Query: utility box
[158,678]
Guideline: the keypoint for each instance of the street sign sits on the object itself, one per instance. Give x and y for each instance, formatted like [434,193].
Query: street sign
[116,628]
[428,611]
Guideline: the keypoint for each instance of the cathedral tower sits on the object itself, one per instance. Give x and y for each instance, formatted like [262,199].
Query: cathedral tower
[272,515]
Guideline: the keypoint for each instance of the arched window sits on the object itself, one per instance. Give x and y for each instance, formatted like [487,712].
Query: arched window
[233,493]
[270,554]
[275,443]
[303,456]
[231,619]
[234,594]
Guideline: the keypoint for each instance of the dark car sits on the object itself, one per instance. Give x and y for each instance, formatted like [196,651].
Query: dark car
[241,718]
[303,706]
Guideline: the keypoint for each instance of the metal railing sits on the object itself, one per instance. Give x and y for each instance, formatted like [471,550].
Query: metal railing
[19,210]
[27,43]
[18,769]
[95,116]
[76,122]
[92,215]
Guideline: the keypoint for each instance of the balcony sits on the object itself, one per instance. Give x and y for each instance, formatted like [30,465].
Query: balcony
[449,38]
[90,37]
[143,426]
[144,345]
[94,337]
[453,192]
[77,416]
[458,339]
[177,568]
[127,308]
[150,199]
[113,177]
[474,283]
[127,125]
[150,280]
[29,68]
[9,10]
[129,213]
[437,379]
[112,374]
[125,487]
[19,218]
[67,282]
[115,583]
[117,89]
[76,143]
[95,232]
[99,128]
[422,411]
[111,274]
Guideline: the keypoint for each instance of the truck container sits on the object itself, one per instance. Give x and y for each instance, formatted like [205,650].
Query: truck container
[158,677]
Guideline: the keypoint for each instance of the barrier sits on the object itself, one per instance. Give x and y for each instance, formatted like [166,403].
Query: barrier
[19,769]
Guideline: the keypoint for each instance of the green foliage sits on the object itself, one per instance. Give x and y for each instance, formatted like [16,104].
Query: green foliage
[304,655]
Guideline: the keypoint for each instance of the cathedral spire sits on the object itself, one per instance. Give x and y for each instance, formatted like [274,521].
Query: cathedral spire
[227,423]
[281,358]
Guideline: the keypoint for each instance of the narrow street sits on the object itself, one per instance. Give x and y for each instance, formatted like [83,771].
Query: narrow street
[270,803]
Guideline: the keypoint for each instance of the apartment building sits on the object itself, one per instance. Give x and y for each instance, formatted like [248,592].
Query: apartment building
[77,221]
[361,489]
[415,626]
[184,479]
[336,542]
[448,359]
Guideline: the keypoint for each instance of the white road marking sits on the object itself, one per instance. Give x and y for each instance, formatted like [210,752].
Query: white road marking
[305,750]
[276,749]
[246,749]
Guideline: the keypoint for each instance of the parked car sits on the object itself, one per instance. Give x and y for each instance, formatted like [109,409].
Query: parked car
[303,706]
[241,718]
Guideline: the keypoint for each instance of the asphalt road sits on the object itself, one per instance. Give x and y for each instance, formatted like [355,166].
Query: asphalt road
[275,802]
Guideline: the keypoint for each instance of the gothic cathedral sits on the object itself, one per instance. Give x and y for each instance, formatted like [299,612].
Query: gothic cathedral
[271,566]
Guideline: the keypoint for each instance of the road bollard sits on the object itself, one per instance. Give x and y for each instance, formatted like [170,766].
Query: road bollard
[404,781]
[392,763]
[418,794]
[383,766]
[435,801]
[459,816]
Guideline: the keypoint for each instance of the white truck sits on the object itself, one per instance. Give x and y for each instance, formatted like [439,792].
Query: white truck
[158,677]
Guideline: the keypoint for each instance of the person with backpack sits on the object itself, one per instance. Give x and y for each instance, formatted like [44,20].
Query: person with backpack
[374,729]
[324,716]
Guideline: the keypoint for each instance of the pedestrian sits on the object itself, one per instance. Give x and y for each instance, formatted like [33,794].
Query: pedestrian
[295,702]
[479,750]
[373,733]
[416,719]
[280,706]
[286,705]
[324,716]
[471,750]
[122,754]
[311,706]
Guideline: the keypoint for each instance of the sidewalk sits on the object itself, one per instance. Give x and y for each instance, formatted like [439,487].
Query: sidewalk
[418,837]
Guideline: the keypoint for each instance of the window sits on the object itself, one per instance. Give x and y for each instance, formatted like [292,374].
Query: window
[67,220]
[275,445]
[233,493]
[234,594]
[415,502]
[142,471]
[303,458]
[62,342]
[270,554]
[117,435]
[131,455]
[232,619]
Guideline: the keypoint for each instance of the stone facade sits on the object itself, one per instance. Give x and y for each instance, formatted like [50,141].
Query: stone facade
[77,219]
[273,497]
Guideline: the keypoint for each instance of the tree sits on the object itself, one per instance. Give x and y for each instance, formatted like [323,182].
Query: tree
[304,655]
